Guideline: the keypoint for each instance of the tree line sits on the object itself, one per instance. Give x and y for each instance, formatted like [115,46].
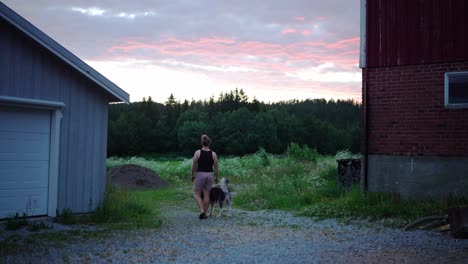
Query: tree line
[236,125]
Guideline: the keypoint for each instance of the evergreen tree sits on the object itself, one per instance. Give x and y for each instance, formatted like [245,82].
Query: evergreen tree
[236,125]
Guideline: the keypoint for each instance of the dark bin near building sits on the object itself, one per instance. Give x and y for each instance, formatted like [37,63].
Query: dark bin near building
[349,172]
[458,220]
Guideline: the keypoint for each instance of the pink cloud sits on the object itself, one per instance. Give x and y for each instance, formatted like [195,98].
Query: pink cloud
[273,66]
[299,18]
[270,61]
[303,32]
[288,31]
[345,43]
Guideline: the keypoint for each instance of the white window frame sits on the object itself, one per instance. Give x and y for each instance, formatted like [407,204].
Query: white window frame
[446,91]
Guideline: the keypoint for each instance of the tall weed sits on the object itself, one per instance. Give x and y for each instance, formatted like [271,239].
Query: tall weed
[301,180]
[123,208]
[303,153]
[264,157]
[16,221]
[310,188]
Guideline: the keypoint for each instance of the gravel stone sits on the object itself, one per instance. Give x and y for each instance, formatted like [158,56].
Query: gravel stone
[267,236]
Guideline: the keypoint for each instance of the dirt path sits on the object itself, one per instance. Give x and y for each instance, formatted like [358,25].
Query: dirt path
[252,237]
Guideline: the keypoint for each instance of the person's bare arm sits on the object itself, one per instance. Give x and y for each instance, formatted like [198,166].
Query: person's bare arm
[194,163]
[215,167]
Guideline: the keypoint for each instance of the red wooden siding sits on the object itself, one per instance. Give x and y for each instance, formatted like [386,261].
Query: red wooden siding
[409,32]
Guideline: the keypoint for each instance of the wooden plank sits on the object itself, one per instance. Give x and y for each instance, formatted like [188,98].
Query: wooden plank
[392,28]
[414,32]
[444,228]
[402,32]
[370,34]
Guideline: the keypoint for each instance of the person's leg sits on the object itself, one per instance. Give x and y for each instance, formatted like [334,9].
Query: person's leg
[198,187]
[206,191]
[199,201]
[206,200]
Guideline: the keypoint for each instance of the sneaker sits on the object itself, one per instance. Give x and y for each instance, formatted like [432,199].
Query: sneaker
[202,216]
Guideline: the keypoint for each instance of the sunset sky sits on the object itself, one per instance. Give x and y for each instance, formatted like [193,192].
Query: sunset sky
[273,49]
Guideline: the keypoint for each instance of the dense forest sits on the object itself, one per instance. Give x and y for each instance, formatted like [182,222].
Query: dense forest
[236,125]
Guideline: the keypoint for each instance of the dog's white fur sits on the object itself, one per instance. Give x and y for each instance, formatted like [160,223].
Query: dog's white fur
[223,184]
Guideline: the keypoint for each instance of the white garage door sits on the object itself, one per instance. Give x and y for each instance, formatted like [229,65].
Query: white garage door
[24,161]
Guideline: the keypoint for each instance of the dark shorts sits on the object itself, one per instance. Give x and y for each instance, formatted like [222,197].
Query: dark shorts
[203,181]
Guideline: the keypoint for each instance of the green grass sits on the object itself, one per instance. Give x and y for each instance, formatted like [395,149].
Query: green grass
[177,172]
[288,184]
[125,209]
[34,227]
[10,245]
[310,188]
[66,217]
[135,209]
[121,210]
[300,181]
[15,221]
[373,206]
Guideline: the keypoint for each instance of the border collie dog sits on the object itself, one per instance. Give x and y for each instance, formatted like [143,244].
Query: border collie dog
[220,195]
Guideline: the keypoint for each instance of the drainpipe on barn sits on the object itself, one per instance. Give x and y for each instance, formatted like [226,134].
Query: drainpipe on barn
[363,64]
[364,134]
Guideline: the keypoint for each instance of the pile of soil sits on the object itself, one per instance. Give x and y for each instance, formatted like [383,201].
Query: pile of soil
[134,176]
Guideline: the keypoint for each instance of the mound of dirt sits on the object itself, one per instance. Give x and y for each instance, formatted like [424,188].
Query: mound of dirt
[134,176]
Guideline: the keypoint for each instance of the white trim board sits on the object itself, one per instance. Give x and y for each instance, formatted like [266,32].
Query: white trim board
[363,27]
[33,103]
[54,158]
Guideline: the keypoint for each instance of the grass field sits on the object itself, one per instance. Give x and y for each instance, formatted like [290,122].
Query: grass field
[300,181]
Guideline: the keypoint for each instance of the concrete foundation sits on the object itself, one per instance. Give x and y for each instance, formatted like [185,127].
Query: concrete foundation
[418,177]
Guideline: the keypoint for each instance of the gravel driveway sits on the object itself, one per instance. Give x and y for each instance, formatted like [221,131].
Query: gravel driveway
[252,237]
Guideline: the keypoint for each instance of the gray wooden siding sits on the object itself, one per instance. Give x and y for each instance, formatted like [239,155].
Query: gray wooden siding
[28,70]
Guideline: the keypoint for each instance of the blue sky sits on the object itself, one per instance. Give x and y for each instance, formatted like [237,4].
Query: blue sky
[275,50]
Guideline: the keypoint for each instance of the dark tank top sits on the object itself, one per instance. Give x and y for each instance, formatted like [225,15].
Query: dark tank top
[205,161]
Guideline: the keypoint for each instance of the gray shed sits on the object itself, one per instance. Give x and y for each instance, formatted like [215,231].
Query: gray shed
[53,124]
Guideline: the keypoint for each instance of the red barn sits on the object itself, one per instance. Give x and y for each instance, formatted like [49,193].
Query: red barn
[414,60]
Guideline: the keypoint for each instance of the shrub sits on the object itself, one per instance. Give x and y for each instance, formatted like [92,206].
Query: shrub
[67,217]
[15,221]
[303,153]
[264,157]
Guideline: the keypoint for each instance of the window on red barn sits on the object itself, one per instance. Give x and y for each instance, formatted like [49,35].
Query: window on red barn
[456,89]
